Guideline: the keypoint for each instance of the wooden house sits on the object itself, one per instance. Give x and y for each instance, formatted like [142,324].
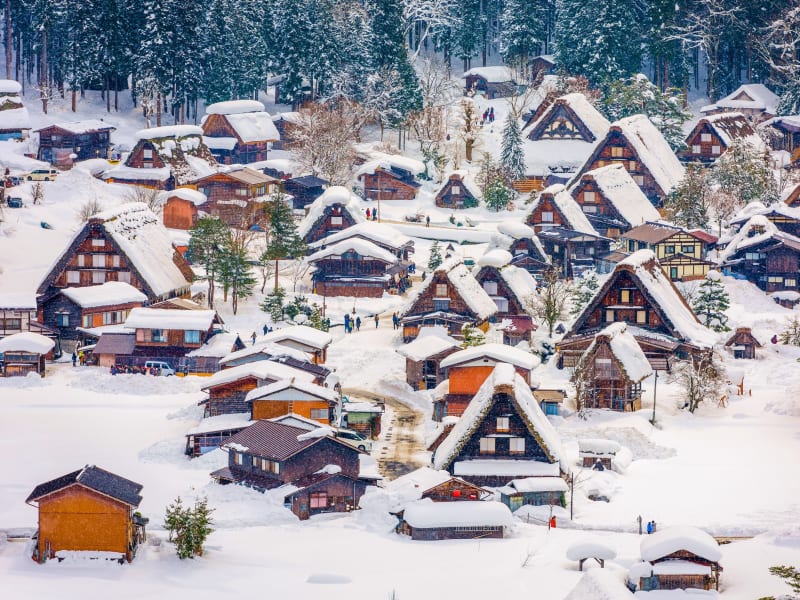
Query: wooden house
[517,329]
[764,255]
[467,370]
[238,131]
[785,218]
[363,417]
[743,344]
[610,371]
[336,209]
[304,190]
[555,207]
[284,122]
[83,139]
[678,558]
[320,473]
[451,297]
[455,489]
[90,510]
[785,135]
[544,64]
[127,244]
[23,353]
[459,191]
[356,267]
[508,286]
[182,208]
[424,356]
[534,491]
[755,100]
[492,82]
[502,435]
[212,432]
[390,177]
[574,252]
[15,122]
[238,196]
[91,306]
[301,337]
[611,200]
[262,351]
[162,332]
[637,145]
[296,396]
[381,235]
[521,241]
[680,252]
[639,294]
[428,521]
[228,389]
[18,313]
[596,453]
[165,158]
[558,139]
[113,347]
[550,400]
[714,134]
[791,196]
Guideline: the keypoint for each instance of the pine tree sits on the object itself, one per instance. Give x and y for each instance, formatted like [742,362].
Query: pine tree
[688,203]
[711,303]
[273,304]
[283,239]
[744,173]
[522,30]
[188,528]
[436,256]
[497,194]
[472,336]
[584,289]
[512,157]
[200,526]
[206,240]
[791,335]
[316,320]
[234,270]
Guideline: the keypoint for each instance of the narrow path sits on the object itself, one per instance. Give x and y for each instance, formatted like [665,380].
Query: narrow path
[401,441]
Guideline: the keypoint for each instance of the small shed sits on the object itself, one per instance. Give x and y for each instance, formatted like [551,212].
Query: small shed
[493,82]
[363,417]
[594,451]
[456,489]
[181,207]
[459,191]
[681,558]
[24,353]
[550,400]
[743,343]
[534,491]
[113,345]
[596,549]
[304,190]
[428,520]
[424,355]
[212,432]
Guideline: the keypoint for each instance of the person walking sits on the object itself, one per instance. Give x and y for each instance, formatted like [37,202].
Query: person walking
[253,337]
[265,330]
[347,322]
[74,358]
[368,214]
[377,319]
[358,323]
[81,358]
[649,527]
[427,220]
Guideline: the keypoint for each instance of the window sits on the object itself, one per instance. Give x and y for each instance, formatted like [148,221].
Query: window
[695,149]
[790,283]
[487,445]
[715,150]
[148,164]
[441,304]
[455,189]
[588,196]
[669,249]
[241,191]
[705,137]
[98,277]
[609,316]
[589,209]
[62,319]
[441,289]
[124,276]
[624,296]
[641,316]
[639,179]
[238,458]
[191,337]
[336,220]
[11,324]
[115,260]
[73,276]
[490,287]
[147,154]
[98,243]
[99,260]
[616,152]
[86,321]
[547,217]
[256,461]
[775,279]
[318,500]
[689,249]
[158,335]
[81,260]
[502,424]
[516,446]
[633,165]
[502,304]
[319,413]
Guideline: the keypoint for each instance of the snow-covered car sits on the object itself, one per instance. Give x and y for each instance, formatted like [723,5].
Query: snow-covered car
[355,439]
[414,217]
[42,175]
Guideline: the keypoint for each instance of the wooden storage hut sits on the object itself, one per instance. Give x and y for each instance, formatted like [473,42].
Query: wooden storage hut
[534,491]
[304,190]
[301,337]
[424,356]
[743,344]
[212,432]
[679,558]
[390,177]
[238,131]
[90,510]
[84,139]
[182,208]
[336,209]
[493,82]
[295,396]
[26,352]
[363,417]
[550,400]
[456,489]
[15,122]
[459,191]
[429,521]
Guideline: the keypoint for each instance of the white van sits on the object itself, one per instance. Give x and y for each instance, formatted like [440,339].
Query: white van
[160,368]
[355,439]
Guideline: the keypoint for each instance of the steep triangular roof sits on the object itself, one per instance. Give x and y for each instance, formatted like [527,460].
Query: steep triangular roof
[503,379]
[585,118]
[627,353]
[519,282]
[570,211]
[729,126]
[621,191]
[757,230]
[510,231]
[664,297]
[752,96]
[337,194]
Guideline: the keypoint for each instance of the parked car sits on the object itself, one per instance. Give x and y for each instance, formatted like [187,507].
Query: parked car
[42,175]
[355,439]
[14,202]
[13,180]
[159,368]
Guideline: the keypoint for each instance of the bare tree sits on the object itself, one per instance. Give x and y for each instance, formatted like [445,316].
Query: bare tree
[469,129]
[37,192]
[700,377]
[423,18]
[582,380]
[779,45]
[439,92]
[549,305]
[299,270]
[88,209]
[149,196]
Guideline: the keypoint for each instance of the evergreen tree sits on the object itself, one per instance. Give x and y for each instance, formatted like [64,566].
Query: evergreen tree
[522,30]
[273,304]
[188,528]
[711,303]
[790,576]
[584,289]
[512,157]
[200,526]
[745,174]
[316,320]
[283,240]
[688,203]
[791,335]
[601,40]
[472,336]
[292,30]
[234,270]
[206,241]
[436,256]
[497,194]
[466,32]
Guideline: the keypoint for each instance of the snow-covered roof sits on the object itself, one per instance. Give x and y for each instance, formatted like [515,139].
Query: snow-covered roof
[165,318]
[546,157]
[496,257]
[15,118]
[302,334]
[499,353]
[410,486]
[503,376]
[516,229]
[217,346]
[653,150]
[145,241]
[235,107]
[364,248]
[591,548]
[268,349]
[625,349]
[623,193]
[221,423]
[220,143]
[672,539]
[598,447]
[307,387]
[298,421]
[576,219]
[467,180]
[491,74]
[539,484]
[79,127]
[734,125]
[253,126]
[127,173]
[425,514]
[748,96]
[261,370]
[106,294]
[505,468]
[749,236]
[520,282]
[18,300]
[600,584]
[387,161]
[430,342]
[184,193]
[27,341]
[592,118]
[169,131]
[9,86]
[645,267]
[336,194]
[379,233]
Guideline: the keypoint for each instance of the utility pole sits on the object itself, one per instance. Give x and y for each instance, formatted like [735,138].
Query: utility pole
[655,391]
[571,494]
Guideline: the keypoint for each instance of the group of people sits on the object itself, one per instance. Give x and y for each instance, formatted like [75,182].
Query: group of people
[350,323]
[651,527]
[78,357]
[488,116]
[372,214]
[134,370]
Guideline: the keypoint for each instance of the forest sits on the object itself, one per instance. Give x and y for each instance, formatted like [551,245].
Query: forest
[174,53]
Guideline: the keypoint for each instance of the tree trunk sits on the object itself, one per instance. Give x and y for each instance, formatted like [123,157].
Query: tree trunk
[8,39]
[276,275]
[107,82]
[158,109]
[43,72]
[116,93]
[468,150]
